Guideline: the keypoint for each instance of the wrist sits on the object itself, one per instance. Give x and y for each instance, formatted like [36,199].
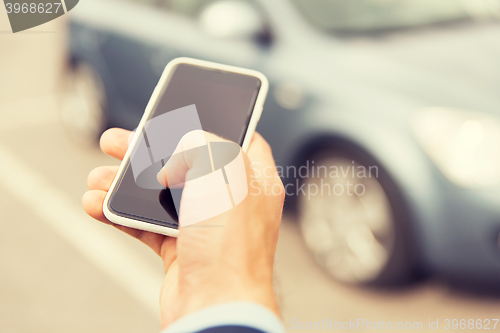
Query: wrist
[195,297]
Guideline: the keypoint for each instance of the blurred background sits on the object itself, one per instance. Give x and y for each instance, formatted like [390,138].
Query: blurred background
[407,86]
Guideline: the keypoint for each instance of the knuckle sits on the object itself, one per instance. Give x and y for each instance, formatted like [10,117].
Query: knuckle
[261,142]
[281,193]
[266,146]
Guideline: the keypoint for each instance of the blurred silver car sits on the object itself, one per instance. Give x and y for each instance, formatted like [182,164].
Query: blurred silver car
[407,90]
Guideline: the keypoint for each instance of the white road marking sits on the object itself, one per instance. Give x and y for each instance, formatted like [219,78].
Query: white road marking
[93,241]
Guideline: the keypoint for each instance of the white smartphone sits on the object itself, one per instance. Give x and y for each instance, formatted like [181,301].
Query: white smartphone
[228,101]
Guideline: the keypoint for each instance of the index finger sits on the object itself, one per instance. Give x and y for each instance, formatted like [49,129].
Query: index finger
[114,142]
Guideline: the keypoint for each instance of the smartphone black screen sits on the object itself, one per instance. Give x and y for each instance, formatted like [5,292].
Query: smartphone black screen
[224,101]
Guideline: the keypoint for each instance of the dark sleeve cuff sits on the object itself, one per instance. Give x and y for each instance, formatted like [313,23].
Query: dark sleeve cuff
[245,317]
[230,329]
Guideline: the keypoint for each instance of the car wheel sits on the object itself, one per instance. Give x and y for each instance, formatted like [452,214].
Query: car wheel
[83,104]
[357,232]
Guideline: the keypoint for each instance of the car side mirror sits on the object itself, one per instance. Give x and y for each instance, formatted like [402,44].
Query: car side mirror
[234,19]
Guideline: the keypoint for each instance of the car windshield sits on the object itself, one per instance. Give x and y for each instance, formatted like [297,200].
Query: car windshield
[376,15]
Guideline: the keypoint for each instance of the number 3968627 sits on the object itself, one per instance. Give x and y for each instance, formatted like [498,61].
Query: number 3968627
[33,8]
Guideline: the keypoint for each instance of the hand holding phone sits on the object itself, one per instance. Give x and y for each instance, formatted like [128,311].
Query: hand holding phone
[207,266]
[228,256]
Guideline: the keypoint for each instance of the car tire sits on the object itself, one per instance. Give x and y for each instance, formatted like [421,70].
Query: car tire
[359,239]
[82,104]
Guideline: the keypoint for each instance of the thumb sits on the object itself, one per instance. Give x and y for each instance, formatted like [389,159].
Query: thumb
[191,159]
[211,172]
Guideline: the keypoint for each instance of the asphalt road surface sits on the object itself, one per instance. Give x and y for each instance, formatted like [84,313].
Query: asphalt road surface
[60,271]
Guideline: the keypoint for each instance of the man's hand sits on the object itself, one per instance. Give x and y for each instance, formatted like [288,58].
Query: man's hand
[207,264]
